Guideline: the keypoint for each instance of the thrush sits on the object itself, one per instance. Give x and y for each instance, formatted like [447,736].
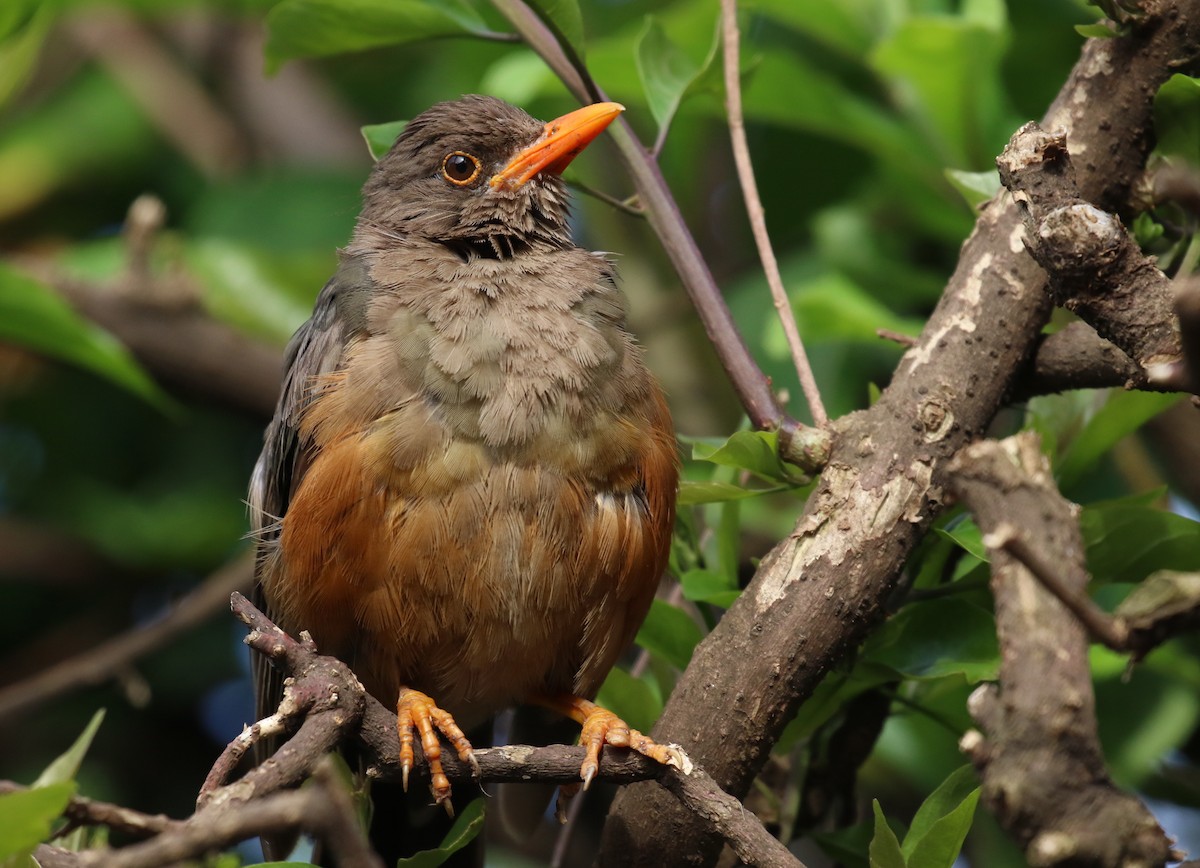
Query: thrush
[468,487]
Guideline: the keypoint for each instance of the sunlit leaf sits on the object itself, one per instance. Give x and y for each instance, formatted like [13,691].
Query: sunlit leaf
[631,699]
[706,586]
[941,823]
[33,316]
[65,767]
[975,187]
[755,451]
[885,849]
[967,535]
[666,70]
[669,633]
[27,817]
[1177,118]
[1097,30]
[318,28]
[1122,414]
[23,28]
[692,493]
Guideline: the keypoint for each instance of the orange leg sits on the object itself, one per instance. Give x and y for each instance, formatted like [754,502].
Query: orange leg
[601,727]
[417,712]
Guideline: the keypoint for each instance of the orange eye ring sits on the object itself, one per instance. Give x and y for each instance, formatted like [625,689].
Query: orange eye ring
[461,168]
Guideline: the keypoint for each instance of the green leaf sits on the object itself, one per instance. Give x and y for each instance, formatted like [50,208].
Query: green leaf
[634,700]
[1127,542]
[666,71]
[846,846]
[1121,415]
[938,637]
[23,29]
[566,21]
[1098,30]
[669,633]
[941,823]
[318,28]
[27,817]
[975,187]
[1146,230]
[708,586]
[465,828]
[945,71]
[243,287]
[746,450]
[33,316]
[692,493]
[381,137]
[1177,118]
[967,536]
[885,849]
[64,768]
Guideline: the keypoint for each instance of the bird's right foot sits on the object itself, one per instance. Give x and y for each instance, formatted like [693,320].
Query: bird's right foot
[417,712]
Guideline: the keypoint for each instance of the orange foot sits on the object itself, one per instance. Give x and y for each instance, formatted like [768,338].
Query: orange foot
[416,711]
[601,727]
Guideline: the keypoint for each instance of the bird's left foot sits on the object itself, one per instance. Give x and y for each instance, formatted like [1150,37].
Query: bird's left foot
[415,711]
[601,727]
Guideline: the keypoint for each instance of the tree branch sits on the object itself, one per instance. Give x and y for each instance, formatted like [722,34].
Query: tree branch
[1042,767]
[324,694]
[1096,270]
[819,592]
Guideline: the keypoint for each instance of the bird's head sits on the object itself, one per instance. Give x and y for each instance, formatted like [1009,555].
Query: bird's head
[479,175]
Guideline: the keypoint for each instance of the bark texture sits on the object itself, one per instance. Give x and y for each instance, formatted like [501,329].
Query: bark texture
[820,590]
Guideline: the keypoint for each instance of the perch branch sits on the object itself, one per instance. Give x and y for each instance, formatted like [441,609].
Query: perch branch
[1043,771]
[334,706]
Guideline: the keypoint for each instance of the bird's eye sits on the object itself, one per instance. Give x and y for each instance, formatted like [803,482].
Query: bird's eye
[460,168]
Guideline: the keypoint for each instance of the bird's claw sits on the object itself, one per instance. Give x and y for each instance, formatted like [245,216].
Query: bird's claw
[601,727]
[417,712]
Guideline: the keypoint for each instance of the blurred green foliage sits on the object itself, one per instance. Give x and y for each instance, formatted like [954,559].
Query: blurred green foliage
[873,125]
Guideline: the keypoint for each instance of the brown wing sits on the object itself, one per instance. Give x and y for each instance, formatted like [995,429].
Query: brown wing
[315,350]
[646,537]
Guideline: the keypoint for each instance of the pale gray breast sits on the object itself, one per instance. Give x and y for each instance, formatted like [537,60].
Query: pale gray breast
[506,348]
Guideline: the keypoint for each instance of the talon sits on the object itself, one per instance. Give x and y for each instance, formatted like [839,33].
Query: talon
[600,727]
[416,711]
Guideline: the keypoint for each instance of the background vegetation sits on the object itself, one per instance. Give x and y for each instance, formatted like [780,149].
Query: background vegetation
[873,126]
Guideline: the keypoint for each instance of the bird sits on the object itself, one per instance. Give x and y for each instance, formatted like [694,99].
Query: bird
[467,490]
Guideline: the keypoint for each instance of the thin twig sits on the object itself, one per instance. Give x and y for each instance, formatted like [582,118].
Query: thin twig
[81,811]
[754,209]
[1099,625]
[105,661]
[896,337]
[752,386]
[323,809]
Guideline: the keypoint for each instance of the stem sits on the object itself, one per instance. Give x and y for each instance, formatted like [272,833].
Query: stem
[752,386]
[754,209]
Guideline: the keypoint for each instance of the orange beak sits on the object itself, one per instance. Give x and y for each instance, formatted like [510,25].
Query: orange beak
[558,145]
